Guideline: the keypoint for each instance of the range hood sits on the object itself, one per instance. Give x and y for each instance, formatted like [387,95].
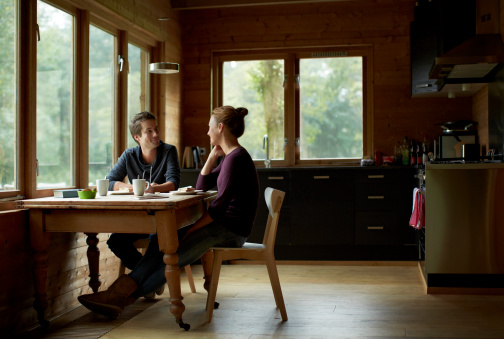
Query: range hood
[475,60]
[480,56]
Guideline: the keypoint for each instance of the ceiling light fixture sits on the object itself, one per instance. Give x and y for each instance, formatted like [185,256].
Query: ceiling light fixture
[163,67]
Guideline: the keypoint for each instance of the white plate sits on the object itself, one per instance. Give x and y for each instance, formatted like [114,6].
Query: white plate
[185,193]
[151,196]
[120,193]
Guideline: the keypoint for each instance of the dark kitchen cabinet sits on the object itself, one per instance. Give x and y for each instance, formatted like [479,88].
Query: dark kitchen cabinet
[382,207]
[189,177]
[322,206]
[338,213]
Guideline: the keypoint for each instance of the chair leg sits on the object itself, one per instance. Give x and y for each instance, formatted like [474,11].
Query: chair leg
[275,285]
[212,292]
[190,279]
[207,262]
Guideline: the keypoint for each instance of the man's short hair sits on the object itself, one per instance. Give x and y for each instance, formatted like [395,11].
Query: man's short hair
[135,125]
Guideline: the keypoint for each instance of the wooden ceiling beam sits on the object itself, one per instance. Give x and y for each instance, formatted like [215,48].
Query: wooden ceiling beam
[204,4]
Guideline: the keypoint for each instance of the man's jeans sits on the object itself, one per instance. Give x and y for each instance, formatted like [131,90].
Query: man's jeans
[121,244]
[149,274]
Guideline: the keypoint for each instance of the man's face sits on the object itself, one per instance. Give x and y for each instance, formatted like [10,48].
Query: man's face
[150,134]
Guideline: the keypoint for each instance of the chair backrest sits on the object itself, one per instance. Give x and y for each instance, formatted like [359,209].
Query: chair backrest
[274,200]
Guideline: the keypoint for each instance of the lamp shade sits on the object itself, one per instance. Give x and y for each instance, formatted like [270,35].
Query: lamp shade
[163,68]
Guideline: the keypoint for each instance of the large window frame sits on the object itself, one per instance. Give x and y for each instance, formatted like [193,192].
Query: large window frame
[85,14]
[17,130]
[291,57]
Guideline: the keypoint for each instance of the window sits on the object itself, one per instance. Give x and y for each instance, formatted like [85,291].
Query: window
[309,104]
[137,84]
[330,108]
[8,95]
[55,97]
[102,102]
[258,86]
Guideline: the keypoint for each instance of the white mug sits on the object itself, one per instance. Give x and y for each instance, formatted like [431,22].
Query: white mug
[139,186]
[102,186]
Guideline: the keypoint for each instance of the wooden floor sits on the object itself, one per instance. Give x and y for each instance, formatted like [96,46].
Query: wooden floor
[322,302]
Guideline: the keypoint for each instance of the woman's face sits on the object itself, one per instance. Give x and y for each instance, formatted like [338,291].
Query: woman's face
[213,132]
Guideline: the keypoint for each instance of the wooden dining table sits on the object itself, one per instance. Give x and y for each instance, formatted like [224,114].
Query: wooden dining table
[112,214]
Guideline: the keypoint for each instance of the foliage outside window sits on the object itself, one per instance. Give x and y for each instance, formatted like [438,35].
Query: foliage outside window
[331,108]
[8,95]
[55,93]
[137,85]
[258,86]
[101,102]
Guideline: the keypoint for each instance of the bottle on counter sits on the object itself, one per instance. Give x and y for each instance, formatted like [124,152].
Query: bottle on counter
[405,152]
[419,155]
[397,154]
[425,150]
[412,154]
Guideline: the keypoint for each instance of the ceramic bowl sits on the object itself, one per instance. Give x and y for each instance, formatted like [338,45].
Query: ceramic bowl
[87,194]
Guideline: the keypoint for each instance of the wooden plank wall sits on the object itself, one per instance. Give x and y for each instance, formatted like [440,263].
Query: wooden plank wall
[67,275]
[384,24]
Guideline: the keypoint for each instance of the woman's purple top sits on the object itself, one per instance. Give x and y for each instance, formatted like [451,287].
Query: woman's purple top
[238,191]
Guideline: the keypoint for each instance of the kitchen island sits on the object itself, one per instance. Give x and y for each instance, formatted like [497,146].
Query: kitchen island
[464,206]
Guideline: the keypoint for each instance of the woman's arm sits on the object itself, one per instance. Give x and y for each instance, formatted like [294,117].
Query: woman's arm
[201,222]
[212,159]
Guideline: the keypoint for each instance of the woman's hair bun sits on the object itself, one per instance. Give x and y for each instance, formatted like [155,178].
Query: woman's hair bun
[242,111]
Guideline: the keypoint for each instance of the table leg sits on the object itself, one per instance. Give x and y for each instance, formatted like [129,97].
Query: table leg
[93,255]
[168,244]
[40,242]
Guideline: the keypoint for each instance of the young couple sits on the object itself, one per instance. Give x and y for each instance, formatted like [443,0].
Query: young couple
[227,222]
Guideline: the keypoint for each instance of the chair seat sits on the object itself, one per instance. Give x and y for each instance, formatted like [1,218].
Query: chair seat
[246,246]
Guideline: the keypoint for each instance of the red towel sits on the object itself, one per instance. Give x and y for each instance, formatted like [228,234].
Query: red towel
[417,219]
[414,213]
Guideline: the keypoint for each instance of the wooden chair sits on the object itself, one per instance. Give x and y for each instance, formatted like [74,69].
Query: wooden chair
[260,252]
[143,244]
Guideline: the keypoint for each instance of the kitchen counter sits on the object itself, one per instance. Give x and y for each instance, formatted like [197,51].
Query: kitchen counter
[464,227]
[468,166]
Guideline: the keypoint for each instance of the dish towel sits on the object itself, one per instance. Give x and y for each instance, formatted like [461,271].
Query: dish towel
[417,219]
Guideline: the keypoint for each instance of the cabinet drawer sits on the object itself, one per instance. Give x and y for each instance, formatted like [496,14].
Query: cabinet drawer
[377,228]
[380,176]
[376,197]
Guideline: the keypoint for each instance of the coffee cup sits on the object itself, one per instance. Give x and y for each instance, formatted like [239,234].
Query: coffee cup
[139,186]
[102,186]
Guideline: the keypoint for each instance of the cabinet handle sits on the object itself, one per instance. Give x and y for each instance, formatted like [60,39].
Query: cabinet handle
[376,176]
[376,197]
[320,177]
[275,178]
[375,227]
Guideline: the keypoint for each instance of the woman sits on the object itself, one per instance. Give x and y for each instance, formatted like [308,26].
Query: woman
[227,223]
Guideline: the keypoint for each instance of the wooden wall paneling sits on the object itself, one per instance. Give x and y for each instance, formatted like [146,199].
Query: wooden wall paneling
[383,25]
[16,298]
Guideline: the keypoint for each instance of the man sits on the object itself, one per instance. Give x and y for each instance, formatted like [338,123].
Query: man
[152,160]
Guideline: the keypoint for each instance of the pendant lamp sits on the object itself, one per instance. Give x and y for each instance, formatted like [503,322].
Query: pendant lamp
[163,67]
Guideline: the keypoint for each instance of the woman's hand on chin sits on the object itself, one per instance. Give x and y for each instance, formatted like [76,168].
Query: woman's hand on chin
[217,151]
